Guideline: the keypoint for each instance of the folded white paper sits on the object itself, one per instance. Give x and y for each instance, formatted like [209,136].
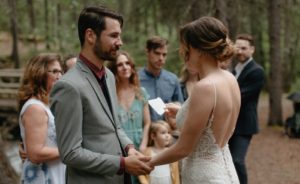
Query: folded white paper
[158,105]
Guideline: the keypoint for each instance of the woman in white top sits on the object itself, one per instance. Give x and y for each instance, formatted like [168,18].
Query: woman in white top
[42,164]
[209,115]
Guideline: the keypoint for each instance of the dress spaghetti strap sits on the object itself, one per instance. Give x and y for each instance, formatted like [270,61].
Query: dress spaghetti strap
[211,117]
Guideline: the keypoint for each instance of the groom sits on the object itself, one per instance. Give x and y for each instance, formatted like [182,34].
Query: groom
[90,141]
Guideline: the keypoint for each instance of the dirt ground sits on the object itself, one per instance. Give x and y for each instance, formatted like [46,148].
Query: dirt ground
[273,158]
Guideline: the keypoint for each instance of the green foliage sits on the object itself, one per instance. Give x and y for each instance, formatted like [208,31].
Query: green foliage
[144,18]
[4,18]
[296,85]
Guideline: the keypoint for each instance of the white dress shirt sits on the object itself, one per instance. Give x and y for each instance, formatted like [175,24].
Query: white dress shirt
[240,66]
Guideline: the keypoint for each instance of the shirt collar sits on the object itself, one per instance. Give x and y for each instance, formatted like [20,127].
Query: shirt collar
[241,66]
[99,72]
[150,74]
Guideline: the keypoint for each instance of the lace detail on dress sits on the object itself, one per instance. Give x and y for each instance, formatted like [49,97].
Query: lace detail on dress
[208,162]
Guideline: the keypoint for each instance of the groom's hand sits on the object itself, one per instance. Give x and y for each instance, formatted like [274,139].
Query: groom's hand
[136,165]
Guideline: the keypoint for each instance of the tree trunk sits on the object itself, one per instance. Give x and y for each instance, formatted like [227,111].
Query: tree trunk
[286,70]
[257,27]
[155,17]
[146,22]
[14,31]
[275,87]
[199,8]
[7,173]
[47,36]
[31,14]
[136,16]
[32,23]
[233,9]
[74,11]
[291,43]
[58,27]
[221,11]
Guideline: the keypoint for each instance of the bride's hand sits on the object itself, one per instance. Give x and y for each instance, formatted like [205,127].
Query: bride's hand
[171,109]
[150,163]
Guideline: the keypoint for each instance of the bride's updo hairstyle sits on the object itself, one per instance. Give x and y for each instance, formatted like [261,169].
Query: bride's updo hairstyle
[207,35]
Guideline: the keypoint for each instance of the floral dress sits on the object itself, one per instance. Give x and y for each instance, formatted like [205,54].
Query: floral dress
[51,172]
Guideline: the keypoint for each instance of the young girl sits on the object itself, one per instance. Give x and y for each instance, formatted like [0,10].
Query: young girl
[159,140]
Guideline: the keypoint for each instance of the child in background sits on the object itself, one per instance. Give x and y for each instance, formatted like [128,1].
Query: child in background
[159,139]
[175,132]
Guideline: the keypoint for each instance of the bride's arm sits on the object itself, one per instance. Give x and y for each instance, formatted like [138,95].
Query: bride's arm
[200,106]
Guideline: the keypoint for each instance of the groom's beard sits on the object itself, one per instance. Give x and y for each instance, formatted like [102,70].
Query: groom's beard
[110,55]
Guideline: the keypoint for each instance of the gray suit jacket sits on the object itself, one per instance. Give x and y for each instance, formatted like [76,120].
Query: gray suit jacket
[89,138]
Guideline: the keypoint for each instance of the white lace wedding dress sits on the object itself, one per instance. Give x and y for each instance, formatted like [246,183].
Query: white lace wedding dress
[208,163]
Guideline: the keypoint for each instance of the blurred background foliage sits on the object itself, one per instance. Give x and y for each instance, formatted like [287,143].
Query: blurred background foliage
[31,26]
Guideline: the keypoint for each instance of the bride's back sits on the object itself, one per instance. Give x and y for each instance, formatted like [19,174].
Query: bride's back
[227,107]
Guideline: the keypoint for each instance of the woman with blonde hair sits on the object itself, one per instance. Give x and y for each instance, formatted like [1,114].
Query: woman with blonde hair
[208,117]
[36,121]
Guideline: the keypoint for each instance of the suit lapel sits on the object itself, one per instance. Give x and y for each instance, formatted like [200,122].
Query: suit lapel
[97,89]
[112,97]
[245,71]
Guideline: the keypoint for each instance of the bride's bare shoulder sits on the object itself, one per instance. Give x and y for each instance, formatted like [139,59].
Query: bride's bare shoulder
[202,90]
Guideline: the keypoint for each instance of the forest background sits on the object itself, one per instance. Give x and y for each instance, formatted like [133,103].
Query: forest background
[51,26]
[28,27]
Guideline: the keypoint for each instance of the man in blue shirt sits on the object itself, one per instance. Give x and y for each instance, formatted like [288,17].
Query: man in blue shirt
[157,81]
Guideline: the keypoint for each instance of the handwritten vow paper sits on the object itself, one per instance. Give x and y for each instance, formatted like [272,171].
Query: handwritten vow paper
[158,105]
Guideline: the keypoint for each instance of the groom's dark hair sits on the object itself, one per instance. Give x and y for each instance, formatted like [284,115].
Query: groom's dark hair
[93,17]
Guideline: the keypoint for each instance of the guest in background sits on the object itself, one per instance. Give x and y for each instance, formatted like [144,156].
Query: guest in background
[250,77]
[157,81]
[174,131]
[36,121]
[159,140]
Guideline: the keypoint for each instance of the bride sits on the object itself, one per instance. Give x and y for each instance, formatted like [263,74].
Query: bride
[208,117]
